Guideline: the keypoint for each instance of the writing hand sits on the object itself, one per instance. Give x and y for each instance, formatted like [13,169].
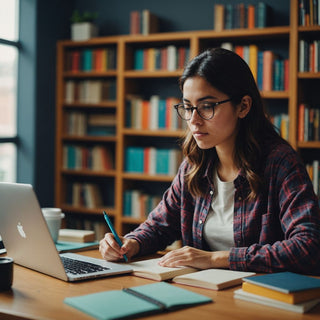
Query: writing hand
[111,251]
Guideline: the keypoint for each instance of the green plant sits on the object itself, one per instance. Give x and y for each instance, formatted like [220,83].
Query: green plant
[83,17]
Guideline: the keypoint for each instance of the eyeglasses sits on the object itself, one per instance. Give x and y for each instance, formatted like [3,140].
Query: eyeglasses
[205,109]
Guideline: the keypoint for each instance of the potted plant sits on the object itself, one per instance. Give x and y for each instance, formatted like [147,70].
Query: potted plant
[82,26]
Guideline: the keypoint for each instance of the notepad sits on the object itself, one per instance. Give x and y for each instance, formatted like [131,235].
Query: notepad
[147,299]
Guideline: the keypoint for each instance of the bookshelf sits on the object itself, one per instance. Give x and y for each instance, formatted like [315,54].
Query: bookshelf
[116,183]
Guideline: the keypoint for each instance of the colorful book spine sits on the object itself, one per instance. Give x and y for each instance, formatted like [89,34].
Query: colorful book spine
[86,195]
[138,203]
[91,60]
[308,123]
[169,58]
[153,114]
[234,16]
[90,91]
[151,160]
[96,158]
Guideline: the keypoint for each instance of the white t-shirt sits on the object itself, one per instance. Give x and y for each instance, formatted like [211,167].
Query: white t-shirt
[218,227]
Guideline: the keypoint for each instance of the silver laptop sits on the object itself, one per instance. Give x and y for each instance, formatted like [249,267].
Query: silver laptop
[28,241]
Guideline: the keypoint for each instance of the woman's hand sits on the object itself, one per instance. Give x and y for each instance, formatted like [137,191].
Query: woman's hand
[196,258]
[111,251]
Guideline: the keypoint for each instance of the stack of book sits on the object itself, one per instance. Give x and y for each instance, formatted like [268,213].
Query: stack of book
[284,290]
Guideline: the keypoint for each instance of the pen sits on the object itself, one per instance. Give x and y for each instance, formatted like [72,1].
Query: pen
[114,232]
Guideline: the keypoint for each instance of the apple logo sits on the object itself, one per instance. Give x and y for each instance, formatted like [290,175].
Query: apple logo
[21,231]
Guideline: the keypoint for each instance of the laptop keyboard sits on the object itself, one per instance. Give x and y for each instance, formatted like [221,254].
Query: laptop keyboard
[80,267]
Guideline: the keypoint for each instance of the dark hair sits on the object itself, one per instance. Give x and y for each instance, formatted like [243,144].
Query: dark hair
[230,74]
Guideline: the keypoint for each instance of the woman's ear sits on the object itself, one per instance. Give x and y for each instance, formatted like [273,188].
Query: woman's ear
[245,106]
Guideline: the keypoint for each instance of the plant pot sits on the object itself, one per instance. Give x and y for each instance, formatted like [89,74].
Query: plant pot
[83,31]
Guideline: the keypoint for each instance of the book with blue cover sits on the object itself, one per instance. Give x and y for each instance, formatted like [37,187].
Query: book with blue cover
[140,300]
[285,281]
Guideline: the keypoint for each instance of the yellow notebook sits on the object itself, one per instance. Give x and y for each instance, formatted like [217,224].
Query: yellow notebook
[293,297]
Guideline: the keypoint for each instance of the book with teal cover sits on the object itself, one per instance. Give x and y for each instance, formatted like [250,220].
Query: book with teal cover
[285,281]
[134,159]
[146,299]
[68,246]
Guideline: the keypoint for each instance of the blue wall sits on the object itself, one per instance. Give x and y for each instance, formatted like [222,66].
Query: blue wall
[46,22]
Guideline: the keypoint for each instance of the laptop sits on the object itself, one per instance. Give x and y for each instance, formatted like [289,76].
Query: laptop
[28,241]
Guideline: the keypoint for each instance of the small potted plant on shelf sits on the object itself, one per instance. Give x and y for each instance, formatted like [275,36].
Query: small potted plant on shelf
[82,26]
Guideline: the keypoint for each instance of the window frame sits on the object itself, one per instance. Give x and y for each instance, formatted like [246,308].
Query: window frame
[14,139]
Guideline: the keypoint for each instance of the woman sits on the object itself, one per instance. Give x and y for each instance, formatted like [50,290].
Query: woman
[241,199]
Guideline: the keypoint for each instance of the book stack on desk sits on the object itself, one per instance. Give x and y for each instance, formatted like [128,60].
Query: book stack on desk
[284,290]
[72,240]
[75,235]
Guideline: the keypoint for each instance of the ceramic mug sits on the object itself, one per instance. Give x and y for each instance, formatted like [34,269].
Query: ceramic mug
[53,217]
[6,273]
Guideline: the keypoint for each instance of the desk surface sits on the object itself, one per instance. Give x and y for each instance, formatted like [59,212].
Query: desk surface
[37,296]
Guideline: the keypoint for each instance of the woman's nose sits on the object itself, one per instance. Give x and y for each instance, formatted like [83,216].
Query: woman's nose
[195,118]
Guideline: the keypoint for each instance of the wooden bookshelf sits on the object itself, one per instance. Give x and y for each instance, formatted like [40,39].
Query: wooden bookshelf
[130,81]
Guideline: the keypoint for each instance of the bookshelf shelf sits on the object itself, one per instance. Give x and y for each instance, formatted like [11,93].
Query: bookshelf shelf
[252,34]
[134,221]
[89,139]
[101,105]
[93,173]
[156,82]
[154,133]
[82,74]
[309,75]
[152,74]
[275,94]
[309,144]
[97,211]
[145,177]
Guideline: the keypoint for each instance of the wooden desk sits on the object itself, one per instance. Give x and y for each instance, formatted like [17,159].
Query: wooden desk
[37,296]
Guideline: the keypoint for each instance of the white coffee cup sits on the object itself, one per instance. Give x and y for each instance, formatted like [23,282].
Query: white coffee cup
[53,217]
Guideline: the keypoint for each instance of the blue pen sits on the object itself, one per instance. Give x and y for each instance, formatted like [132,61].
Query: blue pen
[114,232]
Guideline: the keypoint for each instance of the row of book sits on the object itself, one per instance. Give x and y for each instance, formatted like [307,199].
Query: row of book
[97,158]
[90,91]
[281,123]
[309,56]
[87,195]
[168,58]
[240,15]
[284,290]
[91,60]
[314,171]
[309,12]
[151,160]
[143,22]
[270,70]
[138,204]
[308,123]
[92,124]
[153,114]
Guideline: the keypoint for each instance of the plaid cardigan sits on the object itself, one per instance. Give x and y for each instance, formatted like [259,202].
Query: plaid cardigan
[277,231]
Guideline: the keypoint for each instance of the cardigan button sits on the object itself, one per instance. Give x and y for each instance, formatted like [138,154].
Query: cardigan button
[200,221]
[211,192]
[239,198]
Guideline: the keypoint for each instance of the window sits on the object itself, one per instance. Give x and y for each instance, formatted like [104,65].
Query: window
[9,51]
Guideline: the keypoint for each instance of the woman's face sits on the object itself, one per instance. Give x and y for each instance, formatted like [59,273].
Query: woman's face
[221,130]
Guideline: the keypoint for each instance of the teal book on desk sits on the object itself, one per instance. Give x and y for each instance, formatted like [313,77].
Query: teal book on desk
[136,301]
[67,246]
